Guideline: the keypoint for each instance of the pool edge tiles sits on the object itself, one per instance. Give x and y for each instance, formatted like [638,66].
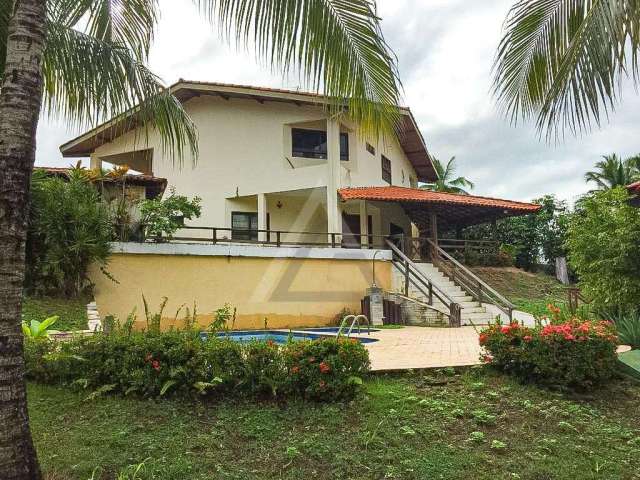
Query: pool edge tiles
[280,337]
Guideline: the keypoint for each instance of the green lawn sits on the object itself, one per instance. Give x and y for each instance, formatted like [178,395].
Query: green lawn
[433,425]
[530,292]
[72,312]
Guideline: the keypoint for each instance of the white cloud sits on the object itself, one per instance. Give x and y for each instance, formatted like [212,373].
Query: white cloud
[445,51]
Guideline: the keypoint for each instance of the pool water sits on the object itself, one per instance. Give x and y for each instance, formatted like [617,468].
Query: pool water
[277,336]
[363,330]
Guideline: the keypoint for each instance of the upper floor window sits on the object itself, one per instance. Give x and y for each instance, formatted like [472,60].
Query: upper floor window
[313,144]
[386,169]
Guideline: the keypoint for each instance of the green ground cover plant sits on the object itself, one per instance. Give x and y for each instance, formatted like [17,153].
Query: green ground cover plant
[414,426]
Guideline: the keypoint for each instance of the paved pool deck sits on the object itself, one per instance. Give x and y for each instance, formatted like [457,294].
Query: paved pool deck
[423,347]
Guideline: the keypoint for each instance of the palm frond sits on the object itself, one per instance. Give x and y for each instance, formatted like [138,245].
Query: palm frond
[88,80]
[337,45]
[127,22]
[561,61]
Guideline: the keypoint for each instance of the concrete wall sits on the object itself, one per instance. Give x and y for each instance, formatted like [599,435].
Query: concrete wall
[288,291]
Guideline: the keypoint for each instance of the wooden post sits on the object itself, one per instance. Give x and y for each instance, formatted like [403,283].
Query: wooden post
[434,228]
[406,278]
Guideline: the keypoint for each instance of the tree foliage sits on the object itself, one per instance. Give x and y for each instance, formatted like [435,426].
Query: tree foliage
[603,240]
[536,238]
[447,181]
[613,171]
[69,229]
[561,62]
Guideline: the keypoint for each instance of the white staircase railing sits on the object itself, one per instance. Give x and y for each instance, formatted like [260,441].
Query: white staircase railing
[354,322]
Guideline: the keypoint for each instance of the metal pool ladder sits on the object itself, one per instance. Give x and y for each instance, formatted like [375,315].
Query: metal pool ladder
[354,322]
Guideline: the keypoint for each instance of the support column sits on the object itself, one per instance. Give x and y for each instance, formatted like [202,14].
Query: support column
[262,216]
[95,162]
[433,218]
[334,217]
[364,225]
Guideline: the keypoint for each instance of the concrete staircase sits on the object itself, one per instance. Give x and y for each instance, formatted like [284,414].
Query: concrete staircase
[471,311]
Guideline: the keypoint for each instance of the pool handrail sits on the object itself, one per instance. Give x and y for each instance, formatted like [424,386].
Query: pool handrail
[354,322]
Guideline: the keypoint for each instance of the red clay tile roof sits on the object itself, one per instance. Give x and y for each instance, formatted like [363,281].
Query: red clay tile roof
[404,194]
[634,187]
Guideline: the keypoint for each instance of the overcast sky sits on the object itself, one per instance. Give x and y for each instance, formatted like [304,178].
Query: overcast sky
[445,51]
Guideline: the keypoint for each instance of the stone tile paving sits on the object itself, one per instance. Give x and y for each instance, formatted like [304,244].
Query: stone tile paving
[424,347]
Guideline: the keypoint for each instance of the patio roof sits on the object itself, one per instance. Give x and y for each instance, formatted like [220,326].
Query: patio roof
[452,210]
[409,135]
[155,185]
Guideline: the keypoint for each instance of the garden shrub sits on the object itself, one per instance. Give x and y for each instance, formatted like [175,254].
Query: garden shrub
[603,249]
[574,354]
[152,364]
[324,370]
[69,229]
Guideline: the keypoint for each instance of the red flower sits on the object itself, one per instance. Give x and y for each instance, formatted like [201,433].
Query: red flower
[486,358]
[569,337]
[148,357]
[506,329]
[483,338]
[324,367]
[527,338]
[155,365]
[295,369]
[270,343]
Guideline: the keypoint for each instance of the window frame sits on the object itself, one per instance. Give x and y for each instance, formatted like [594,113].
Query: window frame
[246,234]
[323,153]
[385,164]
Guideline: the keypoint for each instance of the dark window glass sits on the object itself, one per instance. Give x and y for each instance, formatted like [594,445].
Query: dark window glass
[386,169]
[371,149]
[244,226]
[313,144]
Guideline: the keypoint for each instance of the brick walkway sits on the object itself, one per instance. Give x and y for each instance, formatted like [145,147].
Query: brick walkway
[424,347]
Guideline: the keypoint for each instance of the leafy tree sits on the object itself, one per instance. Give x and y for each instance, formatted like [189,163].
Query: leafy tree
[538,237]
[603,249]
[84,60]
[69,229]
[613,172]
[446,181]
[562,61]
[163,217]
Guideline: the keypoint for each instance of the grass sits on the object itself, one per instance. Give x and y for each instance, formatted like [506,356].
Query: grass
[530,292]
[435,425]
[72,312]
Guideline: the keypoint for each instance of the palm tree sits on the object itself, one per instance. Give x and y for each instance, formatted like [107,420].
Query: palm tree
[561,61]
[614,172]
[446,181]
[84,60]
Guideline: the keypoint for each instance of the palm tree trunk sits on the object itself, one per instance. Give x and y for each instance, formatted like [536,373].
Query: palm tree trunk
[20,100]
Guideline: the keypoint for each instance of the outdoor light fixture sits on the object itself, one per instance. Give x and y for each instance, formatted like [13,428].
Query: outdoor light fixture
[279,204]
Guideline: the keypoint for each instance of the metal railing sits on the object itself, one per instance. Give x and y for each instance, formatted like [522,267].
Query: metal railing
[414,276]
[467,280]
[277,238]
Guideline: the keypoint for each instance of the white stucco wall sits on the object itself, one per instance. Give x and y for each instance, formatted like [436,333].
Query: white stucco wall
[245,149]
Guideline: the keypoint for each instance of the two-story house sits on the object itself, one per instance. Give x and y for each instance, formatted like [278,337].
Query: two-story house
[275,169]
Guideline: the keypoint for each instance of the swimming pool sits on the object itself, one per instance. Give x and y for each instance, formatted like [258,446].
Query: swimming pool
[363,330]
[277,336]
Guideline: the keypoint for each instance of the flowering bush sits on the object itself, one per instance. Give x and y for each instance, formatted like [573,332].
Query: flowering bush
[575,353]
[156,364]
[326,369]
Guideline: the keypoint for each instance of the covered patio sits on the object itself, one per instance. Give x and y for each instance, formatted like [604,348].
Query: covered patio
[434,216]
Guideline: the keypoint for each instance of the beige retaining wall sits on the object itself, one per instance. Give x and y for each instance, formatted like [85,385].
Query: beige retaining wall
[288,287]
